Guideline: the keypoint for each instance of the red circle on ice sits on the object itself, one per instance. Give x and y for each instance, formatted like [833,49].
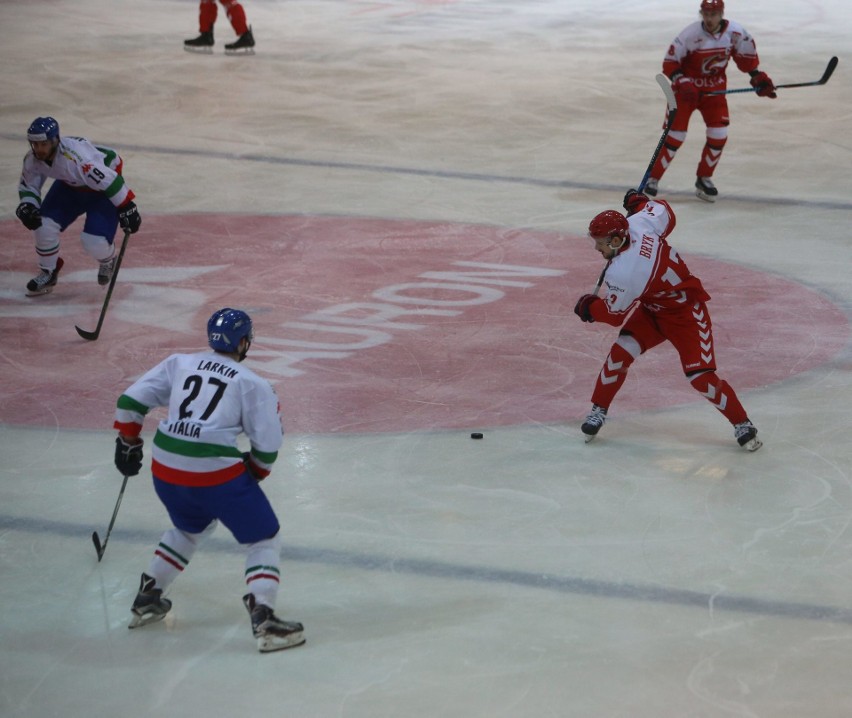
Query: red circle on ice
[377,325]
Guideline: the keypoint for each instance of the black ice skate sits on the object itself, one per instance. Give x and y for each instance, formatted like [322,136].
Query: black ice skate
[202,43]
[271,632]
[149,606]
[243,45]
[705,189]
[105,270]
[593,423]
[45,281]
[746,435]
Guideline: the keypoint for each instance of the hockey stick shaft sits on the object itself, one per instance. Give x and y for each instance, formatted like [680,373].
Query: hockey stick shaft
[671,101]
[829,70]
[91,336]
[101,547]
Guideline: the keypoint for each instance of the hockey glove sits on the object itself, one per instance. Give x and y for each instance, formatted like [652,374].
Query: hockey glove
[634,201]
[128,217]
[761,82]
[257,473]
[685,91]
[583,308]
[29,215]
[128,457]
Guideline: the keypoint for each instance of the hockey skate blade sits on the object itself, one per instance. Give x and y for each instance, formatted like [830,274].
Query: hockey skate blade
[589,437]
[753,445]
[137,621]
[241,51]
[268,644]
[204,50]
[39,292]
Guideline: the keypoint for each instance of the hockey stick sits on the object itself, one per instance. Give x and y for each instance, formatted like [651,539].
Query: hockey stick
[829,70]
[101,547]
[91,336]
[671,101]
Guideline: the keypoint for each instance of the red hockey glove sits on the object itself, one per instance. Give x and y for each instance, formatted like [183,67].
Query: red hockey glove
[583,308]
[761,82]
[634,201]
[685,91]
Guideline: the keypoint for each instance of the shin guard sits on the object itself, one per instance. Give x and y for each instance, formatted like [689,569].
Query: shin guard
[712,152]
[613,373]
[720,394]
[263,575]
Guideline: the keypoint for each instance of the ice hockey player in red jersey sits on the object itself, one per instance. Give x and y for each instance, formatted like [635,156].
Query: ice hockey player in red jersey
[696,62]
[207,13]
[653,297]
[200,474]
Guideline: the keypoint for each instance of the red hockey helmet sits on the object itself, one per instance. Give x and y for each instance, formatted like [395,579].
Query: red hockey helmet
[608,224]
[712,6]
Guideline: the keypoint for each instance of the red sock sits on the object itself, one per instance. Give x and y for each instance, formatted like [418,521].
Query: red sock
[721,395]
[207,13]
[612,376]
[236,15]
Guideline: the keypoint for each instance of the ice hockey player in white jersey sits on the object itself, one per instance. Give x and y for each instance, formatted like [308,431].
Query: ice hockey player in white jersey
[87,181]
[696,63]
[654,298]
[200,474]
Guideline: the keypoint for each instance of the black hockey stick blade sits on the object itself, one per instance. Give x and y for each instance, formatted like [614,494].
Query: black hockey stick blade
[97,541]
[829,71]
[91,336]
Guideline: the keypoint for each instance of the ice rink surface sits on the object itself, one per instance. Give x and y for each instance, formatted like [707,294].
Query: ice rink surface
[433,165]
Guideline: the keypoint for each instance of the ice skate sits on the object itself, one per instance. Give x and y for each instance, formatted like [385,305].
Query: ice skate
[593,423]
[149,606]
[105,270]
[705,189]
[271,632]
[243,45]
[652,187]
[746,435]
[203,43]
[45,281]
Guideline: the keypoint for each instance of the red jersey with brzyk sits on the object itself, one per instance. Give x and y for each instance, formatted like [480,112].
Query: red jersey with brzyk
[649,271]
[704,56]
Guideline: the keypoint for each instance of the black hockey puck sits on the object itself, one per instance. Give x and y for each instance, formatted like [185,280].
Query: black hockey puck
[476,435]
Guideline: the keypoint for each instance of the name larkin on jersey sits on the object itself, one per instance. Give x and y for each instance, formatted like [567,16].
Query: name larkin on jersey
[226,371]
[185,428]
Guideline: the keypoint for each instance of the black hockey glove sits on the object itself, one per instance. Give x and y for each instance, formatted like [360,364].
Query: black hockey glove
[128,217]
[29,215]
[583,308]
[128,457]
[251,467]
[634,201]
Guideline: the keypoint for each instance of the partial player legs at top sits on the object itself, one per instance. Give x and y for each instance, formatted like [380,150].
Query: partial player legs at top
[208,12]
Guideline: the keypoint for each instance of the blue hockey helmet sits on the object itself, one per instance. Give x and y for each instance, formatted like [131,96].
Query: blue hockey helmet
[43,128]
[227,327]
